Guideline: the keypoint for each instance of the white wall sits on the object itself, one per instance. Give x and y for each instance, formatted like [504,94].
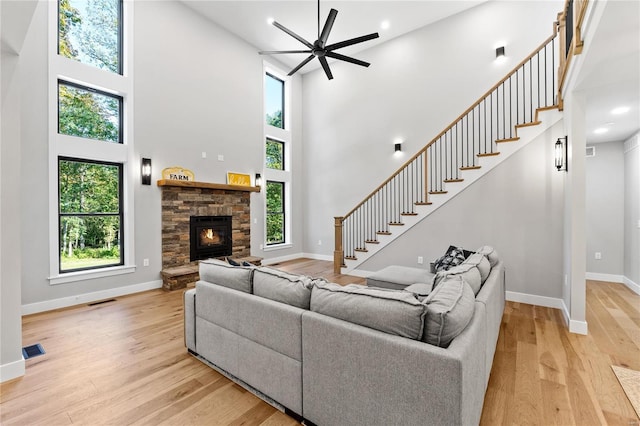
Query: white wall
[632,211]
[417,84]
[605,209]
[517,208]
[197,89]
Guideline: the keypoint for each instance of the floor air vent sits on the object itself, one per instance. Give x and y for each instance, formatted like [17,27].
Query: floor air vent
[32,351]
[101,302]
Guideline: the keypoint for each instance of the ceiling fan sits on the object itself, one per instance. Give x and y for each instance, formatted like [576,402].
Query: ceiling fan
[320,49]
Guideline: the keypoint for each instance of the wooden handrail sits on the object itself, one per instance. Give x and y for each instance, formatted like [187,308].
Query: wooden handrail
[460,117]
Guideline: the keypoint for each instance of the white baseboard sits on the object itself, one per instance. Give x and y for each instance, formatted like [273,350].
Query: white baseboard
[65,302]
[604,277]
[315,256]
[12,370]
[632,286]
[577,327]
[273,260]
[532,299]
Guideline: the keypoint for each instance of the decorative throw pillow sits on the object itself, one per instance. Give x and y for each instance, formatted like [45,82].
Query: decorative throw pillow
[467,253]
[245,263]
[453,257]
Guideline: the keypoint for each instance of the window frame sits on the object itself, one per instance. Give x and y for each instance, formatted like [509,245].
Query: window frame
[120,213]
[99,92]
[73,71]
[283,213]
[283,96]
[120,37]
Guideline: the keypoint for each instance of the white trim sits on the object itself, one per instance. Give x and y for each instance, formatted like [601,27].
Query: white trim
[91,274]
[275,247]
[595,276]
[12,370]
[632,286]
[532,299]
[577,327]
[279,259]
[316,256]
[65,302]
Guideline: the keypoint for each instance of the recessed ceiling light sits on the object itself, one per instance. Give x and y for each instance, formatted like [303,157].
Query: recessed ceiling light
[620,110]
[385,25]
[600,130]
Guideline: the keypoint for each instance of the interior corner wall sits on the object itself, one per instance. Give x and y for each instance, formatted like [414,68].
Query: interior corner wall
[197,89]
[517,208]
[632,210]
[417,84]
[605,190]
[11,362]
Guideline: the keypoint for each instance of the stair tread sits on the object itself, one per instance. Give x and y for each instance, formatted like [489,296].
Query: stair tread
[533,123]
[351,257]
[453,180]
[364,250]
[408,214]
[515,139]
[470,167]
[372,242]
[488,154]
[423,203]
[396,224]
[437,192]
[383,233]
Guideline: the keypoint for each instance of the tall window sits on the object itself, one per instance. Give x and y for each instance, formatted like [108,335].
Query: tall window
[90,214]
[277,137]
[90,136]
[275,213]
[274,88]
[90,31]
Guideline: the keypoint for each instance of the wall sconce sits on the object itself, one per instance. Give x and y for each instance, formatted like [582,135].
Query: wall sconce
[398,147]
[499,52]
[562,150]
[145,171]
[258,179]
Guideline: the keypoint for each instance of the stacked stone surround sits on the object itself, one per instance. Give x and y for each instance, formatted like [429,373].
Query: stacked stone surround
[180,203]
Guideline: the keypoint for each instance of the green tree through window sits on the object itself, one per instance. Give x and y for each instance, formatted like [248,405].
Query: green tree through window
[90,211]
[275,213]
[275,154]
[274,101]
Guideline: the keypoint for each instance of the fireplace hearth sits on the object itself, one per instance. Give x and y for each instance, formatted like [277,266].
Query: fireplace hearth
[210,236]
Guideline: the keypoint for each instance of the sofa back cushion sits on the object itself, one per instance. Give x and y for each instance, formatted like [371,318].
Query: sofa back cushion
[468,271]
[294,290]
[481,262]
[221,273]
[391,311]
[490,253]
[450,307]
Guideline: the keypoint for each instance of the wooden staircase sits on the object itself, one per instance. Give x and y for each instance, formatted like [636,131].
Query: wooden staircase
[511,114]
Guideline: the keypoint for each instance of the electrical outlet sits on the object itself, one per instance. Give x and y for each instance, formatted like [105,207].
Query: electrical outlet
[319,242]
[598,255]
[639,224]
[420,260]
[566,280]
[220,157]
[255,220]
[145,262]
[204,154]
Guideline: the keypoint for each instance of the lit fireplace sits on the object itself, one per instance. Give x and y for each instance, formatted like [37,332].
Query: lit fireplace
[210,236]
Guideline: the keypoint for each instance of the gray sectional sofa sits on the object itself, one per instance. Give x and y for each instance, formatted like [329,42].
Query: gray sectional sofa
[352,355]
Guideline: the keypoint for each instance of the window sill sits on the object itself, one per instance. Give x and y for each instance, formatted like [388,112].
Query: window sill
[275,247]
[92,274]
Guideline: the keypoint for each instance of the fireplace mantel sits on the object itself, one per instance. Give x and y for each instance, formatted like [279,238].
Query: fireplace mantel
[207,185]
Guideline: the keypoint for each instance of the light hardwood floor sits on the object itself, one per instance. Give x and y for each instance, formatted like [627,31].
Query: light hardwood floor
[124,362]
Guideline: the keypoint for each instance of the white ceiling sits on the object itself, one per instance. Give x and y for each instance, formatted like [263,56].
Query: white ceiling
[611,77]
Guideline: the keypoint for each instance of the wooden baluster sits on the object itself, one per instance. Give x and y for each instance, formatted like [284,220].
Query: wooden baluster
[338,254]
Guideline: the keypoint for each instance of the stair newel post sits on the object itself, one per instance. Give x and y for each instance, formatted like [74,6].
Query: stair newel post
[338,254]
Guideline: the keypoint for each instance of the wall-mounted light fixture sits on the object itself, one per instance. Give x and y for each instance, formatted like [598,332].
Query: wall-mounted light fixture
[145,171]
[499,52]
[258,179]
[398,147]
[561,154]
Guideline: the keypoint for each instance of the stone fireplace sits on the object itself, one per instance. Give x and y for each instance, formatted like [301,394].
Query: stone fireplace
[181,200]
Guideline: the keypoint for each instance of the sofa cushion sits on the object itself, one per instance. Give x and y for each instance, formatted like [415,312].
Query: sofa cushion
[481,262]
[450,307]
[397,277]
[420,289]
[453,257]
[469,272]
[490,253]
[294,290]
[391,311]
[221,273]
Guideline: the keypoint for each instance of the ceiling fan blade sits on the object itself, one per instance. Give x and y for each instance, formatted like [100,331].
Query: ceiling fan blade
[292,34]
[325,67]
[347,59]
[351,41]
[327,27]
[277,52]
[301,64]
